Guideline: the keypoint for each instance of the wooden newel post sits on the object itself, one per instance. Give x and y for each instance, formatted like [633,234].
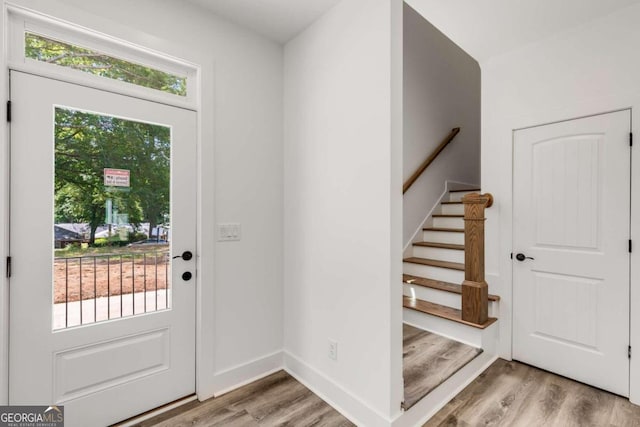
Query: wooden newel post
[475,291]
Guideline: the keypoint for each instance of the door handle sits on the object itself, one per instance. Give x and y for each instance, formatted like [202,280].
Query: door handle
[186,255]
[522,257]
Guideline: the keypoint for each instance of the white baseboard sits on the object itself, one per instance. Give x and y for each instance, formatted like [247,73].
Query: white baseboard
[246,373]
[345,402]
[341,399]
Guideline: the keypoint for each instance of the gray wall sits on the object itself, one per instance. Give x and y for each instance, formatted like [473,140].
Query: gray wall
[441,91]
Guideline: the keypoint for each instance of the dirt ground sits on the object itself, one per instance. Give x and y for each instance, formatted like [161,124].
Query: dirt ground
[107,276]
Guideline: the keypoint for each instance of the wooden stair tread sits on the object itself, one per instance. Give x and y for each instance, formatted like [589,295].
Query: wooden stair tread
[439,285]
[450,230]
[436,263]
[447,216]
[440,245]
[462,191]
[442,311]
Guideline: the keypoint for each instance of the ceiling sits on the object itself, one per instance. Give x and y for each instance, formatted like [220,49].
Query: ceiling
[483,28]
[279,20]
[486,28]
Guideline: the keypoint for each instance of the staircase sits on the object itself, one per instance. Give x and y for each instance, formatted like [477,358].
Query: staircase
[434,271]
[446,301]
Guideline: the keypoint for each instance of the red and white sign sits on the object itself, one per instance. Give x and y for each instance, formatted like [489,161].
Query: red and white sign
[116,177]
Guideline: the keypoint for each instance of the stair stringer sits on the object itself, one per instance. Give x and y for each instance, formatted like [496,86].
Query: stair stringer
[417,235]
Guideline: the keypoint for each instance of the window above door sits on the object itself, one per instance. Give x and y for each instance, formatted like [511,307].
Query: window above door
[49,47]
[63,54]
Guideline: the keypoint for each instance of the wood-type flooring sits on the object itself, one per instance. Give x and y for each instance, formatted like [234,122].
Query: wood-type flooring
[276,400]
[517,395]
[428,360]
[506,394]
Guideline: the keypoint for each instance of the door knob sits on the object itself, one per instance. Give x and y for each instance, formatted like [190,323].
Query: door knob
[522,257]
[186,255]
[186,276]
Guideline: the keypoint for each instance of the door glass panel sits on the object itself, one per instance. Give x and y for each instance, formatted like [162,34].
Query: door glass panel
[90,61]
[112,229]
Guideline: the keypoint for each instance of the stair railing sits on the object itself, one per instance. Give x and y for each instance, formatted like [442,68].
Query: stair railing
[413,178]
[475,291]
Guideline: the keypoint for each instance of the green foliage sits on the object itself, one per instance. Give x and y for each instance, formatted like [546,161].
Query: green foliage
[85,144]
[136,237]
[101,242]
[114,241]
[54,52]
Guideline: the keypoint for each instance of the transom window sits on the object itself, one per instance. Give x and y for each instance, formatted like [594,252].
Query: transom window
[51,51]
[44,46]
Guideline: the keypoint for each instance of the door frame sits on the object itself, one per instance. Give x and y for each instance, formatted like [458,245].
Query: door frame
[500,222]
[203,64]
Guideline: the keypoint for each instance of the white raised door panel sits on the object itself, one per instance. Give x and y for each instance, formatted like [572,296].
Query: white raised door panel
[571,216]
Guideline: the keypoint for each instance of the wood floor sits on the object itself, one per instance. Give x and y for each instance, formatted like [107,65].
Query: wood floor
[277,400]
[514,394]
[506,394]
[428,360]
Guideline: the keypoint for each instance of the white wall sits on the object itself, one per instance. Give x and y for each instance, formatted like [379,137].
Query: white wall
[441,92]
[241,167]
[588,70]
[342,208]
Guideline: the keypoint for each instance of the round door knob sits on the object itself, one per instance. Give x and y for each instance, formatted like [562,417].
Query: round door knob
[186,276]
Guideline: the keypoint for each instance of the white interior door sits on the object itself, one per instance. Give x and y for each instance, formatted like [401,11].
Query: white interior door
[571,220]
[107,332]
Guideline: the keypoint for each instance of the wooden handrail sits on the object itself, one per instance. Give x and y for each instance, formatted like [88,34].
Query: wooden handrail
[413,178]
[475,291]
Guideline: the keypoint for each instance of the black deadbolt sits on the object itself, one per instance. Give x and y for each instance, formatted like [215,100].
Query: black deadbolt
[186,276]
[186,255]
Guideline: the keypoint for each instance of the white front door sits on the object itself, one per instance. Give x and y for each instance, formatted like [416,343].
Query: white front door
[101,326]
[571,219]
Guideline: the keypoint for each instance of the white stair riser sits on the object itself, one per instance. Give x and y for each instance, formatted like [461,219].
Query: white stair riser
[447,328]
[453,209]
[443,237]
[435,273]
[450,299]
[436,296]
[451,255]
[458,195]
[448,222]
[494,308]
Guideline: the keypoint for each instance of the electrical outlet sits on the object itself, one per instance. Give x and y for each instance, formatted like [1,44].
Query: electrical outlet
[333,350]
[229,232]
